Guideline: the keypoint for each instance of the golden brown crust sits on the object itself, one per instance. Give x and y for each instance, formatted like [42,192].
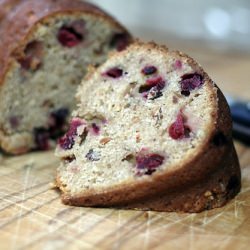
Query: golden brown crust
[27,13]
[215,164]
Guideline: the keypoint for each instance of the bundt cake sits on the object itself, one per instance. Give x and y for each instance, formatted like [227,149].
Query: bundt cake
[45,48]
[151,131]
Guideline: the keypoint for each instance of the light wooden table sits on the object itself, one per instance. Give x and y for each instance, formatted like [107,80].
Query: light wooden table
[32,216]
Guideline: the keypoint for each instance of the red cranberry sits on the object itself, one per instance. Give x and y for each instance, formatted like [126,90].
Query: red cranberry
[148,163]
[114,72]
[152,82]
[120,41]
[57,122]
[178,65]
[149,70]
[190,82]
[95,128]
[72,35]
[178,130]
[41,138]
[68,140]
[153,88]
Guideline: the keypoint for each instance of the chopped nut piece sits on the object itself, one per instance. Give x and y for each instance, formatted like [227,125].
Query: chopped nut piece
[105,140]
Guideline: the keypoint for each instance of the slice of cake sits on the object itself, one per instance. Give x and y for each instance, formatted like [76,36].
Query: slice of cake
[45,48]
[151,131]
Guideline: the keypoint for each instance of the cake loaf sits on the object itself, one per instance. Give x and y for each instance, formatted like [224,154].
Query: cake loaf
[151,131]
[45,49]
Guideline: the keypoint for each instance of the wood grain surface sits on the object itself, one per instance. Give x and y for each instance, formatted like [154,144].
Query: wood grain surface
[32,216]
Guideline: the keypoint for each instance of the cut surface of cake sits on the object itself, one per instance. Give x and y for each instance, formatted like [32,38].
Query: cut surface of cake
[45,49]
[151,131]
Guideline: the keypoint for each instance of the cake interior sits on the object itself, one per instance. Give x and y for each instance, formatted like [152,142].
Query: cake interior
[38,92]
[140,113]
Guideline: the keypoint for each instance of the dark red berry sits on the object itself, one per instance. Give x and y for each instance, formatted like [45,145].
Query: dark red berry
[68,140]
[190,82]
[114,72]
[41,138]
[57,122]
[157,82]
[120,41]
[177,65]
[148,163]
[185,92]
[178,129]
[95,129]
[60,116]
[153,88]
[149,70]
[72,35]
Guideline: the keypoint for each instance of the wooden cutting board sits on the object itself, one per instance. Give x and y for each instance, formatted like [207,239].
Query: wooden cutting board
[32,216]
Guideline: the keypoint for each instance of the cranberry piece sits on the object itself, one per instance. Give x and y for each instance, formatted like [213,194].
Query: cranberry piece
[41,138]
[32,58]
[153,88]
[57,121]
[190,82]
[149,70]
[148,162]
[179,130]
[157,82]
[114,72]
[96,129]
[68,140]
[120,41]
[72,35]
[178,65]
[60,116]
